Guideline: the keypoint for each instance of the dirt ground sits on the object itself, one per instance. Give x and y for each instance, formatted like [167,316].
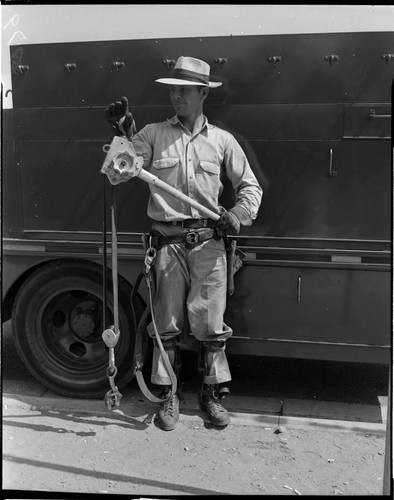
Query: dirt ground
[117,453]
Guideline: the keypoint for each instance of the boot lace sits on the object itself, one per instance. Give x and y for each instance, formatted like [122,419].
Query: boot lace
[169,404]
[213,402]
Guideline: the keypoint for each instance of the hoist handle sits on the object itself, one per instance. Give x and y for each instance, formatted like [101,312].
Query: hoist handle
[155,181]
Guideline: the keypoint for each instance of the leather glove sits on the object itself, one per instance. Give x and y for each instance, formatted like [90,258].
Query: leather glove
[119,116]
[228,223]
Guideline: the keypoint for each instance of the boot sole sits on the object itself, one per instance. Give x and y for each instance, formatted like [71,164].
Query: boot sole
[164,427]
[218,423]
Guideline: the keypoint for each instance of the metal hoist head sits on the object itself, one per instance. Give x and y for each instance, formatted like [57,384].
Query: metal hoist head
[121,162]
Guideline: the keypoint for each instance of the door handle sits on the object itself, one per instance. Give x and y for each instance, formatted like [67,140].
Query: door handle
[331,172]
[372,114]
[299,283]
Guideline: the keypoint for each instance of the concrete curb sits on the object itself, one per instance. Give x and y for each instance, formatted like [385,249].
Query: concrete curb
[144,410]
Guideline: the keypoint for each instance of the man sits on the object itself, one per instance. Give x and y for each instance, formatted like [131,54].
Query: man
[191,155]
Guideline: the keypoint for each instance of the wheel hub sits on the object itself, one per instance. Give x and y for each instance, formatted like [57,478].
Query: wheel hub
[83,324]
[85,320]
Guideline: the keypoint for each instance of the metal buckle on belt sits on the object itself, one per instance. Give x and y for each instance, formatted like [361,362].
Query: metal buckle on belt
[191,239]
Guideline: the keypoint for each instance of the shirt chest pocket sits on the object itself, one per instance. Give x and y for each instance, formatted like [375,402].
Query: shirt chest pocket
[166,170]
[208,177]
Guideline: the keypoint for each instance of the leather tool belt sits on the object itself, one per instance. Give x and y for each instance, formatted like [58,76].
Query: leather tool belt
[191,239]
[190,223]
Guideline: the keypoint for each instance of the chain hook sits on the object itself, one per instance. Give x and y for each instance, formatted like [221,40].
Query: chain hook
[113,396]
[150,257]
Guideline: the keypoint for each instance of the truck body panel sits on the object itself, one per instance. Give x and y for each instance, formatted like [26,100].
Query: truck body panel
[312,113]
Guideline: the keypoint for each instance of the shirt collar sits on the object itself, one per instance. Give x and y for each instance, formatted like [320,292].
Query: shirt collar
[175,121]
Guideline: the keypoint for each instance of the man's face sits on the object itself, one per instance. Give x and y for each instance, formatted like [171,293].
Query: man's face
[186,99]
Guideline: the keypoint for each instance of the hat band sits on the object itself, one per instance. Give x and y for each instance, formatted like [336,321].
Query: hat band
[185,74]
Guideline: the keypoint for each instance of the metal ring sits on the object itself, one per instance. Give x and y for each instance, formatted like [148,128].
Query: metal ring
[115,371]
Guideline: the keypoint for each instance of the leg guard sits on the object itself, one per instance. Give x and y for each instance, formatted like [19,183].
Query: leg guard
[213,362]
[214,368]
[159,372]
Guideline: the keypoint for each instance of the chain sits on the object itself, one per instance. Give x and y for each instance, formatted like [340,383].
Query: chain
[113,396]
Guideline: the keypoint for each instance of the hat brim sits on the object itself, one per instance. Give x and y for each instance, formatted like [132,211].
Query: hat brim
[177,81]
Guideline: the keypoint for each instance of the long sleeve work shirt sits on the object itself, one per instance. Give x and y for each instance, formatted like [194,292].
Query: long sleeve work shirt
[195,164]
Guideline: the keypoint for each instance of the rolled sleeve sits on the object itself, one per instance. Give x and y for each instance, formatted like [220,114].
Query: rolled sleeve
[248,192]
[142,142]
[193,163]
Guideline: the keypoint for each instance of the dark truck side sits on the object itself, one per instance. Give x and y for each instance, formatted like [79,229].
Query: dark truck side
[312,113]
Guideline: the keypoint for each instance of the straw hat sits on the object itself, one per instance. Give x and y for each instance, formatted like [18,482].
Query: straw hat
[190,71]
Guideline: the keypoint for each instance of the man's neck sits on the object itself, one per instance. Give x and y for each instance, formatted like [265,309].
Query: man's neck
[192,122]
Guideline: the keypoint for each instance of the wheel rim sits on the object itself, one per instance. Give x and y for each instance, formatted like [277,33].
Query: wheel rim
[70,322]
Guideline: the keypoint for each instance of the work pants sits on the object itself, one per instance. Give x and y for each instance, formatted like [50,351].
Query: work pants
[190,293]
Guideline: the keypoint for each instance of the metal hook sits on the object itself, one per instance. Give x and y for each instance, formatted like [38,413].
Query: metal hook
[274,59]
[70,66]
[332,58]
[388,57]
[150,257]
[118,65]
[23,68]
[169,62]
[221,61]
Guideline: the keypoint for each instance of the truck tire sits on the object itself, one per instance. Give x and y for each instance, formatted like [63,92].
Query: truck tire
[58,324]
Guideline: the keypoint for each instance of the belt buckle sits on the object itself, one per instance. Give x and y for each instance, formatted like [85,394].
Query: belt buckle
[191,239]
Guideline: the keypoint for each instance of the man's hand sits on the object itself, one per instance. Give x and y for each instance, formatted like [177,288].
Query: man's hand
[119,116]
[228,223]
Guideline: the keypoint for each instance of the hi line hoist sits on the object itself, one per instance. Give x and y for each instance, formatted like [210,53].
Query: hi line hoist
[121,164]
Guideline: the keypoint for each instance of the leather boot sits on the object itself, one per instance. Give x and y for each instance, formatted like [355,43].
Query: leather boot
[210,403]
[168,415]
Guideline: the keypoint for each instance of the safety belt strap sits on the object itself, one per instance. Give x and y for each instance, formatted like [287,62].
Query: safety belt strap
[140,328]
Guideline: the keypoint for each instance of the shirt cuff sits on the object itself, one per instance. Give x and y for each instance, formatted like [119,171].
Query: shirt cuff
[242,214]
